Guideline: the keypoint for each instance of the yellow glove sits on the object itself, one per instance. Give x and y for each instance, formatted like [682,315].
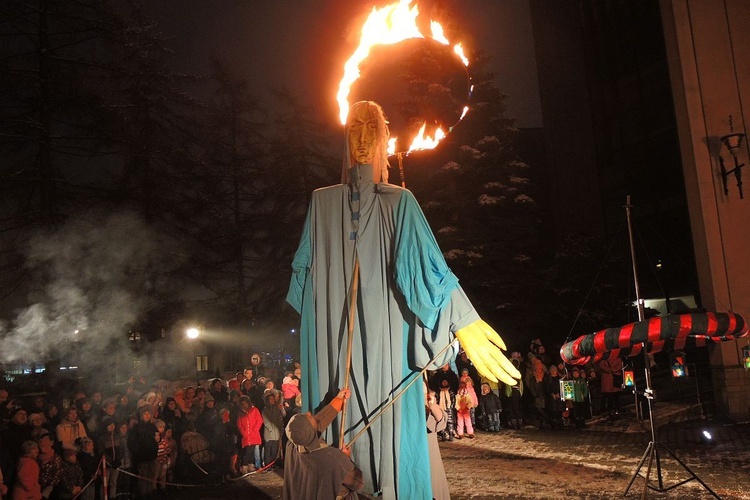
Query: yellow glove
[483,347]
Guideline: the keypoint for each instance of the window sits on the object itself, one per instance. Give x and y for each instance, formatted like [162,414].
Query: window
[201,363]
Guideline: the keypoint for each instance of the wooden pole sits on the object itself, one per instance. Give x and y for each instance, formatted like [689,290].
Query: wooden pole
[400,157]
[350,338]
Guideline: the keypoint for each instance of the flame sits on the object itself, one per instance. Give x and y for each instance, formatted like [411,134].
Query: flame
[388,25]
[391,146]
[466,110]
[421,141]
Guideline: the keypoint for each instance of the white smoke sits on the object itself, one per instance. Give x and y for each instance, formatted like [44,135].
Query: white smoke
[90,281]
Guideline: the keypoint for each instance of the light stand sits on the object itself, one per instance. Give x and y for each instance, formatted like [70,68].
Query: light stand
[652,450]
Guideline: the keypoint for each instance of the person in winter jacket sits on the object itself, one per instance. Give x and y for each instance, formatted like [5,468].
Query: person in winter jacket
[89,461]
[446,400]
[219,391]
[16,432]
[143,443]
[26,486]
[273,425]
[50,465]
[111,445]
[70,429]
[513,394]
[71,482]
[249,423]
[464,404]
[489,409]
[290,389]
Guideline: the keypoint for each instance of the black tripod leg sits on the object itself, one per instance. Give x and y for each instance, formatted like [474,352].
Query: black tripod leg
[690,471]
[658,467]
[640,464]
[648,470]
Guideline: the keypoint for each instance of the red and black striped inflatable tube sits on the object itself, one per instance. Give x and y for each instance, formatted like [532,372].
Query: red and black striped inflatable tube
[668,332]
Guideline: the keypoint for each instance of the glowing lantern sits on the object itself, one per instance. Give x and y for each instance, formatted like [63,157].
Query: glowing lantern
[567,390]
[628,378]
[679,364]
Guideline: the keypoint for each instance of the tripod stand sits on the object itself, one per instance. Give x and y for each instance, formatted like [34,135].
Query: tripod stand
[652,454]
[652,450]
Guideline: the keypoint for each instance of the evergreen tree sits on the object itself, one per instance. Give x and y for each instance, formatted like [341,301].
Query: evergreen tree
[480,203]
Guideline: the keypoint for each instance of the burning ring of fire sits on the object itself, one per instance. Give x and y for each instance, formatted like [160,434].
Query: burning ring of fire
[389,25]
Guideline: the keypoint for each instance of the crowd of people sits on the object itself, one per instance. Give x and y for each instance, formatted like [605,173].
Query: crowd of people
[144,438]
[473,402]
[147,437]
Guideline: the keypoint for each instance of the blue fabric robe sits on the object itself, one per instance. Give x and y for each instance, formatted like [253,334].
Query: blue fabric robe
[409,306]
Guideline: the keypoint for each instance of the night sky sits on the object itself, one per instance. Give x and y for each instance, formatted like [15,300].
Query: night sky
[302,44]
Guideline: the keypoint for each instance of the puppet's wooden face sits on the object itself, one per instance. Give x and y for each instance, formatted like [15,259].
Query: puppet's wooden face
[362,134]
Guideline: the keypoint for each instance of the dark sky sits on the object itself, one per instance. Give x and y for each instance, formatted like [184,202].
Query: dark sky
[303,44]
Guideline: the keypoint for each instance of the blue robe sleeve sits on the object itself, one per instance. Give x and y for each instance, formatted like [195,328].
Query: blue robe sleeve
[422,275]
[430,288]
[300,266]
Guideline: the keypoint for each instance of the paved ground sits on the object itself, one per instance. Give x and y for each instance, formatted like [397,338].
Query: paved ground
[594,463]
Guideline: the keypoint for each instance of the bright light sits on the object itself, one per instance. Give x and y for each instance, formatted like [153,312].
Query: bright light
[192,333]
[707,435]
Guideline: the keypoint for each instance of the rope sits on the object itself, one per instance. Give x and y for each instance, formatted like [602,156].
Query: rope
[350,338]
[265,467]
[93,478]
[180,485]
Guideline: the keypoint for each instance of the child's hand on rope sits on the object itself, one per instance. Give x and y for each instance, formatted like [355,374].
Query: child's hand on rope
[484,348]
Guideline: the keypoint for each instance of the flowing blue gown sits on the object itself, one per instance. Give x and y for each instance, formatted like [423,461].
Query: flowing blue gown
[409,306]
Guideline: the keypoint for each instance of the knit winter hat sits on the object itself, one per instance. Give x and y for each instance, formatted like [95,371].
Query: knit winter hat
[301,432]
[208,398]
[270,392]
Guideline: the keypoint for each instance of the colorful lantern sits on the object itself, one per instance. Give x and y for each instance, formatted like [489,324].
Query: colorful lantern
[746,357]
[567,390]
[628,378]
[679,364]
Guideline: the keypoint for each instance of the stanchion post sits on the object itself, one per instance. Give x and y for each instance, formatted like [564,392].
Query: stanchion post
[105,478]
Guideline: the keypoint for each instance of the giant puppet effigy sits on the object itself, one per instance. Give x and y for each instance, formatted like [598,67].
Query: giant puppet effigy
[368,263]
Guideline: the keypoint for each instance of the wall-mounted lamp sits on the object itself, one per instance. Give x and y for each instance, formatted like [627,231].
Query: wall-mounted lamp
[732,142]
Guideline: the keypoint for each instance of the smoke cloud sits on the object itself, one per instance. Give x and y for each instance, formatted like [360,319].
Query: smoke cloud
[90,282]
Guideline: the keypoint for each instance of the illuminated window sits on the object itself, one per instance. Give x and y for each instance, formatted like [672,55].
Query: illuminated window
[201,363]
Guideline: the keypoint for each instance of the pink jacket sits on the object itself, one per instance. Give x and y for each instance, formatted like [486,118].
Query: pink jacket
[290,391]
[249,425]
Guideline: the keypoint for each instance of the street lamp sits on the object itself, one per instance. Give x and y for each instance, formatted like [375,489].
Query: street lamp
[192,334]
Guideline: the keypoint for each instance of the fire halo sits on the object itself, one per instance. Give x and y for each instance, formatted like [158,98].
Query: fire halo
[421,81]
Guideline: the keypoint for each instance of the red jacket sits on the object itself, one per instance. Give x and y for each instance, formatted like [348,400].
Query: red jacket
[249,425]
[27,480]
